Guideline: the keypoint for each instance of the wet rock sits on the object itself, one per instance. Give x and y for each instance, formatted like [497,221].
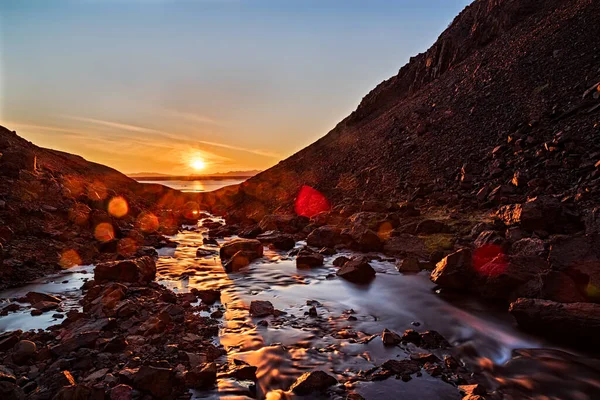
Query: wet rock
[158,382]
[45,306]
[357,270]
[261,308]
[279,241]
[6,375]
[252,247]
[569,322]
[201,376]
[205,253]
[401,367]
[475,389]
[366,240]
[310,382]
[309,259]
[433,340]
[390,338]
[140,270]
[327,251]
[409,265]
[208,296]
[455,271]
[24,351]
[325,236]
[239,260]
[340,261]
[35,297]
[423,358]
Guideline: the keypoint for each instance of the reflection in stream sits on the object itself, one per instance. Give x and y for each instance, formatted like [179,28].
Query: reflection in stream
[339,339]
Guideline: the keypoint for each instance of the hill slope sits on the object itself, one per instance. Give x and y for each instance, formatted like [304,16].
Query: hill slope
[508,73]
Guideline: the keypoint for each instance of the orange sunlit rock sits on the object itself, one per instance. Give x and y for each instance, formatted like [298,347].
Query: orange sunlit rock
[79,214]
[147,222]
[311,202]
[489,260]
[69,258]
[97,191]
[104,232]
[118,207]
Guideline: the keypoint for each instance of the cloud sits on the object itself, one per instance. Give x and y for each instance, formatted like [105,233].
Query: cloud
[201,119]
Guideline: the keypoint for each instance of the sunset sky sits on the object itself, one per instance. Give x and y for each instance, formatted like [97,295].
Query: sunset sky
[161,85]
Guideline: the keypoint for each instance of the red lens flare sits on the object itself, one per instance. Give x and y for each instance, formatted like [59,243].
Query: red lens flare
[311,202]
[489,260]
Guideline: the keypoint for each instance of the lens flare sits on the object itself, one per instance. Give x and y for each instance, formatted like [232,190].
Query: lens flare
[147,222]
[104,232]
[311,202]
[69,258]
[117,207]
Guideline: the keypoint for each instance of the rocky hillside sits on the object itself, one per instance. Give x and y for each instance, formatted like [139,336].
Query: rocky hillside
[59,210]
[503,106]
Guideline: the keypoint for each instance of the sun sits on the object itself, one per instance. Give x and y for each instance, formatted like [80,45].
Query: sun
[198,164]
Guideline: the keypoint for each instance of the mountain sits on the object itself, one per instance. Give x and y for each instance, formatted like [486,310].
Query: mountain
[59,210]
[503,106]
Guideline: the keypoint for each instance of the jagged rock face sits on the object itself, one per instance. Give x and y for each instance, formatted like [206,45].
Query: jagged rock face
[495,107]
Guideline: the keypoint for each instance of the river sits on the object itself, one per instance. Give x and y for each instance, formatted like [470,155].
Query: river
[484,337]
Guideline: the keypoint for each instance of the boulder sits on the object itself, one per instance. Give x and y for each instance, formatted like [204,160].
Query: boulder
[140,270]
[251,246]
[239,260]
[325,236]
[279,241]
[340,261]
[35,297]
[366,240]
[357,270]
[541,213]
[310,382]
[208,296]
[408,265]
[309,259]
[261,308]
[205,252]
[569,322]
[405,244]
[529,247]
[390,338]
[201,376]
[401,367]
[455,271]
[121,392]
[491,238]
[156,381]
[23,351]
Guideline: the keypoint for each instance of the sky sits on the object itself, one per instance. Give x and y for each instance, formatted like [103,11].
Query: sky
[190,86]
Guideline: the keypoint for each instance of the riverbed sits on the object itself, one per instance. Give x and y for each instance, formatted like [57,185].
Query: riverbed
[342,338]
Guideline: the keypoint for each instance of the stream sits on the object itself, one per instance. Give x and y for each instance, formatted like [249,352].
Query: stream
[340,338]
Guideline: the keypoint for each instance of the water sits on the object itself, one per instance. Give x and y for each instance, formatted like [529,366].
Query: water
[295,342]
[199,185]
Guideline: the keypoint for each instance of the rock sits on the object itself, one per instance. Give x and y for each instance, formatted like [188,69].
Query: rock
[405,244]
[45,306]
[79,340]
[121,392]
[560,287]
[455,271]
[325,236]
[540,213]
[6,375]
[433,340]
[140,270]
[279,241]
[491,238]
[261,308]
[309,259]
[315,381]
[366,240]
[430,226]
[357,270]
[201,376]
[390,338]
[288,223]
[409,265]
[23,351]
[401,367]
[252,247]
[570,322]
[11,391]
[158,382]
[529,247]
[239,260]
[35,297]
[205,252]
[340,261]
[208,296]
[475,389]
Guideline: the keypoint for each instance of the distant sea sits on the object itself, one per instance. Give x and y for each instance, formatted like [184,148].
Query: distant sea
[199,185]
